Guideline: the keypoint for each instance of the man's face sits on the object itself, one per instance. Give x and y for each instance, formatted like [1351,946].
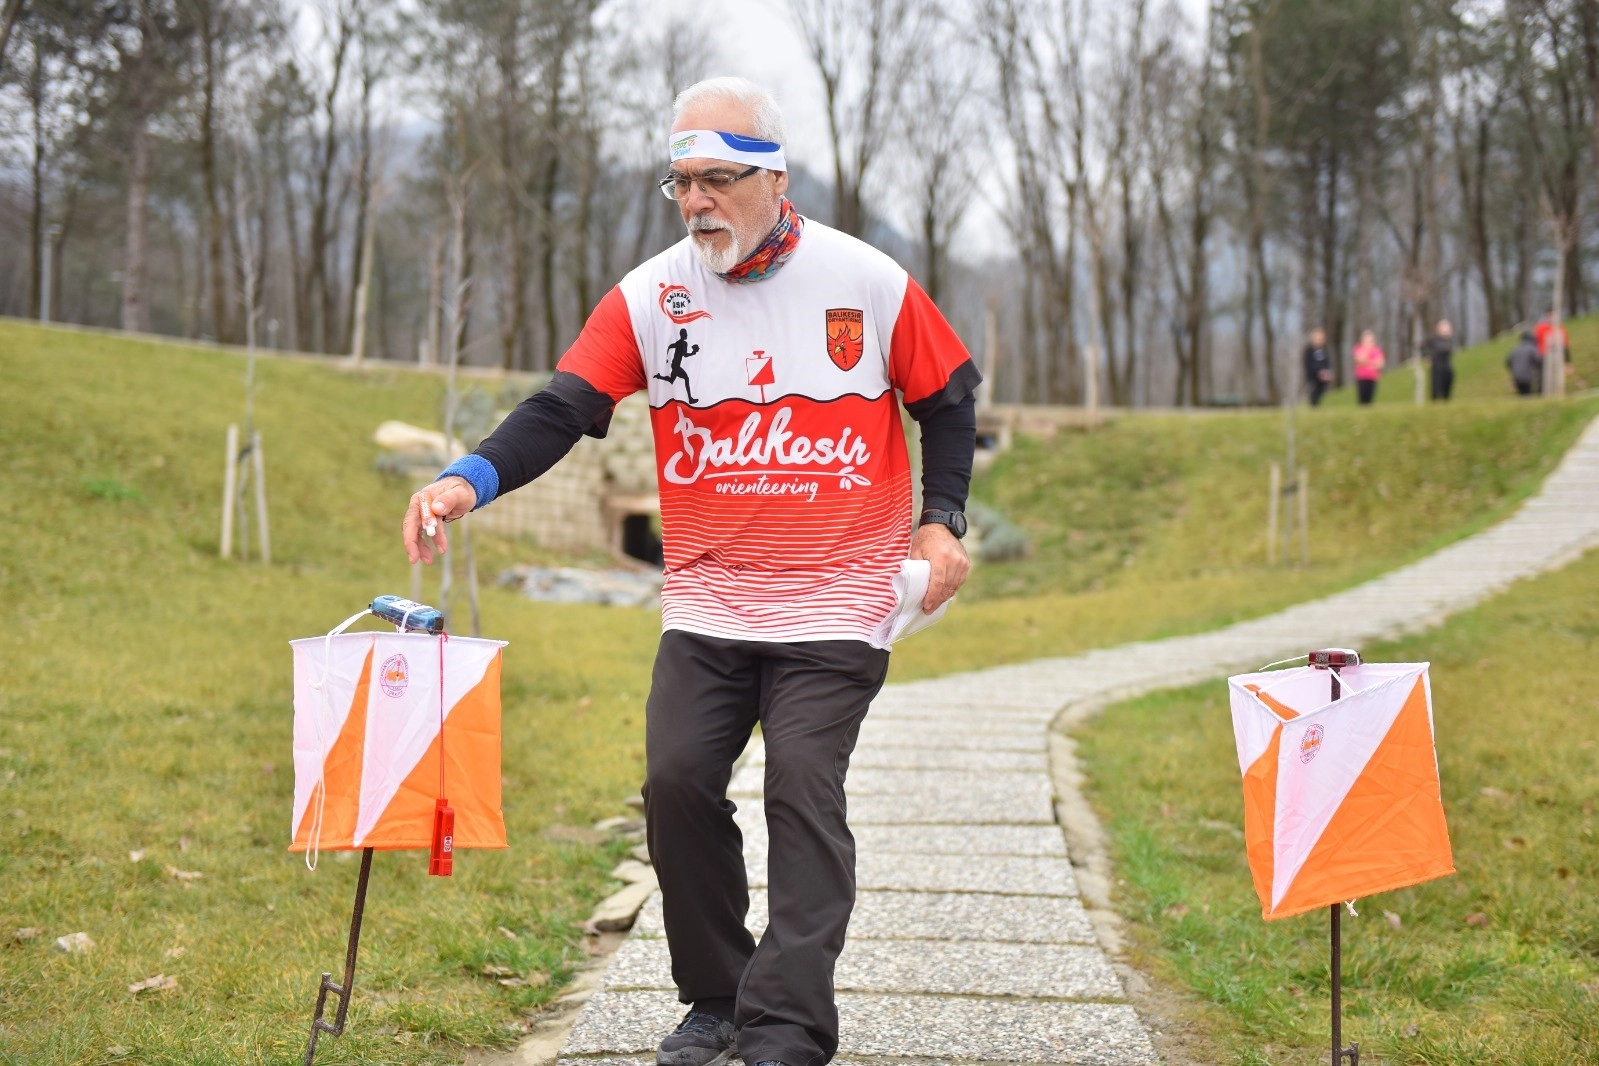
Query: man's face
[726,226]
[1317,338]
[1445,329]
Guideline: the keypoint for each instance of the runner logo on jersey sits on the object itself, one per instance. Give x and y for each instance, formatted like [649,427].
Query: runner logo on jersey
[680,350]
[678,302]
[846,336]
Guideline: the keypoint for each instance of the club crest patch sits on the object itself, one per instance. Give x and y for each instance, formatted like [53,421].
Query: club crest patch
[678,303]
[395,676]
[846,336]
[1310,743]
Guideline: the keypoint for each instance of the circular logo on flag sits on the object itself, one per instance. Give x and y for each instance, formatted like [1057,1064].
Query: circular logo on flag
[1310,743]
[395,676]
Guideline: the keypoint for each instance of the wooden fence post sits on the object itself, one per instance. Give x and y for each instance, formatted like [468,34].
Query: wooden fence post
[1271,514]
[230,484]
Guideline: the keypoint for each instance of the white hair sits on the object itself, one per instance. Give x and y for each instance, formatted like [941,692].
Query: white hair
[765,117]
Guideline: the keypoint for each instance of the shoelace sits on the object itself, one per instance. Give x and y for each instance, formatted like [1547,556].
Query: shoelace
[697,1021]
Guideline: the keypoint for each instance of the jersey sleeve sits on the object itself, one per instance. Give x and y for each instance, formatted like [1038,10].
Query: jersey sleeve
[606,355]
[927,362]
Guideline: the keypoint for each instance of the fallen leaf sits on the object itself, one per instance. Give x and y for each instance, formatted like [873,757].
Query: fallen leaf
[1494,793]
[159,983]
[511,982]
[137,855]
[174,953]
[184,875]
[1411,1031]
[22,936]
[1394,921]
[1176,910]
[498,971]
[74,943]
[1478,920]
[268,768]
[1166,810]
[117,1050]
[1562,873]
[506,933]
[1296,991]
[183,843]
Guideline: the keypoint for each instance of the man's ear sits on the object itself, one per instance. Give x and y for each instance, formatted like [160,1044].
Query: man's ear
[780,182]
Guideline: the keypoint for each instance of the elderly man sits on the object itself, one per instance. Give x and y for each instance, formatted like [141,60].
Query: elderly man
[786,515]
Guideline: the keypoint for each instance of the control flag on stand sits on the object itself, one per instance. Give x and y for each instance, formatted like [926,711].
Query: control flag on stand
[372,735]
[1341,797]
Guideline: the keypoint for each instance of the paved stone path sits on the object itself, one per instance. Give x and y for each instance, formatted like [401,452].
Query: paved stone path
[971,942]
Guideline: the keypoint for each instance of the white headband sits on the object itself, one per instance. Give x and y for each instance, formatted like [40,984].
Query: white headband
[714,144]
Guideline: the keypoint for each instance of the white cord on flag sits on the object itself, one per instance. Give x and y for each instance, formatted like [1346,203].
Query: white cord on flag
[1351,905]
[314,843]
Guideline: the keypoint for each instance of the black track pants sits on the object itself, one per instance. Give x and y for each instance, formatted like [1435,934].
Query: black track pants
[705,699]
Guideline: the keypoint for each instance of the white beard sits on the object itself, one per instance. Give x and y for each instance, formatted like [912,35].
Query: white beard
[717,262]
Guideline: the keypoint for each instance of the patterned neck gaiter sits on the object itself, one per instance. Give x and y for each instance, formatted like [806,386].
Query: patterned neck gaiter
[773,252]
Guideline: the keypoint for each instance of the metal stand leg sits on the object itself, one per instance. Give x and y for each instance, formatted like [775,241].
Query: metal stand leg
[1339,1052]
[319,1025]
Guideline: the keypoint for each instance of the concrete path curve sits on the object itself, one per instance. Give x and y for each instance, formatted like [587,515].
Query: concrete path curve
[971,942]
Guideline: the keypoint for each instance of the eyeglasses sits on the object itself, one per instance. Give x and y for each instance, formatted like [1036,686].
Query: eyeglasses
[714,183]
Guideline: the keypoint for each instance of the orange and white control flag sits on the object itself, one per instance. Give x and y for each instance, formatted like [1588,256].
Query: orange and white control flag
[371,736]
[1341,797]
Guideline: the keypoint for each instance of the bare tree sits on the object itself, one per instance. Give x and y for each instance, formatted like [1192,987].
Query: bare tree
[938,130]
[863,51]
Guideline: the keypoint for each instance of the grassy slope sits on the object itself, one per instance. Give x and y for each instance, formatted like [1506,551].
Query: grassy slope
[147,690]
[1155,525]
[1521,804]
[144,703]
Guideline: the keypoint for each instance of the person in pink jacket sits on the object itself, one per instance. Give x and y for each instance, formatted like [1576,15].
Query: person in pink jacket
[1368,366]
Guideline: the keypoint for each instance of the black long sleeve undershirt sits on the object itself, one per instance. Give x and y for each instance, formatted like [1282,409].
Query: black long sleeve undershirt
[546,425]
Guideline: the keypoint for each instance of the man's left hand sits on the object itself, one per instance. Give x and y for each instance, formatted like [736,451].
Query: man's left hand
[943,550]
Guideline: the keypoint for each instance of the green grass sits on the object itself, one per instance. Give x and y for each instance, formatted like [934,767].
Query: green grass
[145,705]
[1517,721]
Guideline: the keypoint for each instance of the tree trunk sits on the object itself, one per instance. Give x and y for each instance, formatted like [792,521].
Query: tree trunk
[215,227]
[36,222]
[135,264]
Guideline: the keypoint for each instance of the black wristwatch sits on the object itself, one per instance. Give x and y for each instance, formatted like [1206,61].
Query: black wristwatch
[954,520]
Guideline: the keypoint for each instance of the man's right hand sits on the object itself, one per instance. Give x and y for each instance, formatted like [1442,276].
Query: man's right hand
[450,498]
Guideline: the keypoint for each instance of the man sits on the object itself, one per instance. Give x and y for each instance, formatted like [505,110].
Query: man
[1439,351]
[785,515]
[1544,330]
[1318,366]
[1525,363]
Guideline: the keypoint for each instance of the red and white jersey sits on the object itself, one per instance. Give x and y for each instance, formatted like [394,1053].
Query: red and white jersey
[784,482]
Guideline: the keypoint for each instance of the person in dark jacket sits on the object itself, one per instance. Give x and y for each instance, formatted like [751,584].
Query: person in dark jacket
[1318,366]
[1439,351]
[1525,364]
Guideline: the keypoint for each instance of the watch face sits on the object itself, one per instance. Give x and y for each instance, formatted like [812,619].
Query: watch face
[957,524]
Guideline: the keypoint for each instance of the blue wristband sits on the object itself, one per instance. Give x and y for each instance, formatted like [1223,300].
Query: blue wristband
[485,480]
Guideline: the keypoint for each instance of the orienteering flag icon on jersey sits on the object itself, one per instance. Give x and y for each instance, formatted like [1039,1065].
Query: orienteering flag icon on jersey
[1341,796]
[378,741]
[759,367]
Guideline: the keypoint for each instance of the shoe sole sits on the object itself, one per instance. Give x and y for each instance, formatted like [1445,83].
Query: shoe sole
[668,1059]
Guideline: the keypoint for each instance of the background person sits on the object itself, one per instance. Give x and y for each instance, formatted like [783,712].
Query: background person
[1318,365]
[1439,351]
[1525,363]
[785,515]
[1368,366]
